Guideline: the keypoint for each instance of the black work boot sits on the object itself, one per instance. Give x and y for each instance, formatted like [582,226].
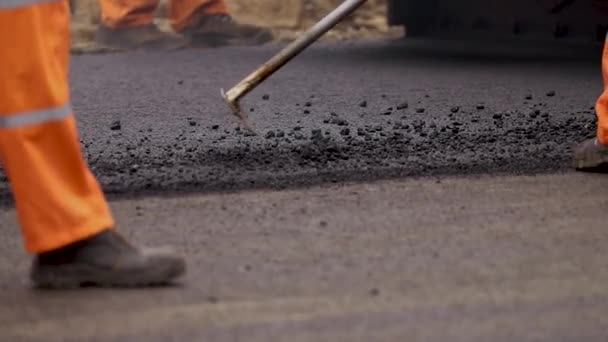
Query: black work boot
[147,37]
[105,260]
[591,155]
[222,30]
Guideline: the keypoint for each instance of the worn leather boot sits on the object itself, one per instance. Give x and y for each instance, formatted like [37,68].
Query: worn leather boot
[222,30]
[591,155]
[105,260]
[147,37]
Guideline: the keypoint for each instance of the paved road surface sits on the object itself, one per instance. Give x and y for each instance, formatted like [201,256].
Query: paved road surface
[468,252]
[484,259]
[495,129]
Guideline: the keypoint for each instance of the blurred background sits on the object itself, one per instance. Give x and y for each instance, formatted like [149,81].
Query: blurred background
[287,18]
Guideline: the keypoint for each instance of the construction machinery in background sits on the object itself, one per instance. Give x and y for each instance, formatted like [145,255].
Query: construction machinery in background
[565,20]
[579,21]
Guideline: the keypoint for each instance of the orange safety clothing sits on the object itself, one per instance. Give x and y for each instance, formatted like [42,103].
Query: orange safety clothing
[131,13]
[58,200]
[601,107]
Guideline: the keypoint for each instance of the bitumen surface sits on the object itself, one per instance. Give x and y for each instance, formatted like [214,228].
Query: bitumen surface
[155,122]
[457,215]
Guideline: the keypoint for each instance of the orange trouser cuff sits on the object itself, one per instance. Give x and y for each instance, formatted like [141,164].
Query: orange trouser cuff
[601,107]
[184,13]
[602,118]
[58,200]
[127,13]
[132,13]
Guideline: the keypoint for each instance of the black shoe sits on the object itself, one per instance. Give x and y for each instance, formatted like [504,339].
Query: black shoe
[222,30]
[147,37]
[105,260]
[591,155]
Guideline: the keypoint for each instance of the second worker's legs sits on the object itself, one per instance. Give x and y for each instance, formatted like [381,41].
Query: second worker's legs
[202,23]
[130,25]
[208,23]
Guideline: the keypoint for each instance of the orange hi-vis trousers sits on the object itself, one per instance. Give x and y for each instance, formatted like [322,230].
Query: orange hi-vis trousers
[58,200]
[132,13]
[601,107]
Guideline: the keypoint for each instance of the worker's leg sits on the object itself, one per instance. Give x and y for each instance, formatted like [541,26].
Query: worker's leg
[58,200]
[602,103]
[593,153]
[117,14]
[184,12]
[208,23]
[62,211]
[128,24]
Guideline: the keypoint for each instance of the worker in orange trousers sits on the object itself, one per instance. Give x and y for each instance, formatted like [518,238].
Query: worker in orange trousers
[64,217]
[592,154]
[129,25]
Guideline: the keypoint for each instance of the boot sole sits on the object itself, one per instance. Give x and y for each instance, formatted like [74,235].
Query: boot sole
[71,276]
[591,163]
[149,47]
[106,40]
[220,40]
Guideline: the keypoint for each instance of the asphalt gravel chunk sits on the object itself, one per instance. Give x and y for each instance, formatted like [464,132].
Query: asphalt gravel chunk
[374,292]
[171,155]
[115,125]
[339,122]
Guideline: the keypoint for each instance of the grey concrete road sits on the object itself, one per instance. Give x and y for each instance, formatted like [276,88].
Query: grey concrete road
[514,258]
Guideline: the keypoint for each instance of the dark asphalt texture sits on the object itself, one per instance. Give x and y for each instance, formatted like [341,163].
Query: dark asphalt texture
[153,122]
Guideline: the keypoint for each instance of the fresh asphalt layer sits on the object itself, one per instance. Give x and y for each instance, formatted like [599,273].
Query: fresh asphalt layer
[155,122]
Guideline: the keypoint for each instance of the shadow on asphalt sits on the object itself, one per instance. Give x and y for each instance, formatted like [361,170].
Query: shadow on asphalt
[478,50]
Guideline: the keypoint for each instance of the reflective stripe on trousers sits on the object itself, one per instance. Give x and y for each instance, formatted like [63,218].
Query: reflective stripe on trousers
[36,117]
[14,4]
[58,199]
